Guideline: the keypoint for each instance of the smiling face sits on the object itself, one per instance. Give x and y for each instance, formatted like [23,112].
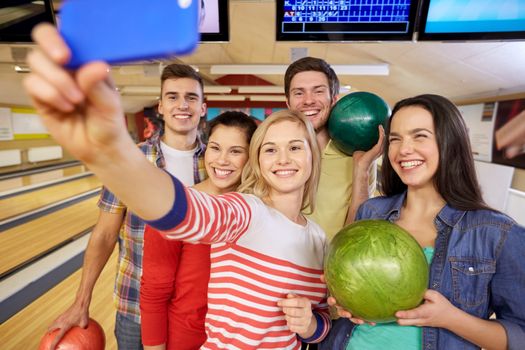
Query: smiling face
[225,157]
[181,105]
[285,158]
[310,94]
[413,150]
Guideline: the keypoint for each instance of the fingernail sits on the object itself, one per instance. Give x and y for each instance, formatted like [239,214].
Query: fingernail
[75,95]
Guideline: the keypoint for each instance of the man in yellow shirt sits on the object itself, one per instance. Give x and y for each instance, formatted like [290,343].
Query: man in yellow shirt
[311,87]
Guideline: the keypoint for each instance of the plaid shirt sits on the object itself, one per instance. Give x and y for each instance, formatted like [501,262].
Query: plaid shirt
[131,235]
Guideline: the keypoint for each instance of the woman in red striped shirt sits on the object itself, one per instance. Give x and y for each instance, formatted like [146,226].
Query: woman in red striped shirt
[265,289]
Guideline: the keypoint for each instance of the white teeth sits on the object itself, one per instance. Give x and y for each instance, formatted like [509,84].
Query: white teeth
[221,172]
[411,164]
[180,116]
[284,172]
[310,113]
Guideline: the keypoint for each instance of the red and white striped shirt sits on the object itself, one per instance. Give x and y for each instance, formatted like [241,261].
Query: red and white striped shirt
[258,256]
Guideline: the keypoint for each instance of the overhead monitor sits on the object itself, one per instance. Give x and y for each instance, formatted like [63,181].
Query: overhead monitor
[214,24]
[18,17]
[472,20]
[345,20]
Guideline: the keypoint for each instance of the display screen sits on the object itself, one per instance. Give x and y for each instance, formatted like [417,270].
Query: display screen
[472,20]
[213,16]
[18,17]
[345,20]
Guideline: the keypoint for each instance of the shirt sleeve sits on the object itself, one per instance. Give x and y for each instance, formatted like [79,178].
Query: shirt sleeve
[324,323]
[198,217]
[108,202]
[159,266]
[508,288]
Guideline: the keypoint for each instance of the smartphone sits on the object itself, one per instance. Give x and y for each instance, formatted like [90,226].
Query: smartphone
[119,31]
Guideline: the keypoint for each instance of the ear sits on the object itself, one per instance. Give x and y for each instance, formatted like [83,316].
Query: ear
[287,103]
[204,109]
[159,107]
[335,99]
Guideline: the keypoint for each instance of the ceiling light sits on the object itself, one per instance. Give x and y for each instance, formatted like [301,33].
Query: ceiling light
[217,89]
[268,98]
[276,69]
[362,69]
[225,98]
[261,89]
[248,69]
[140,90]
[22,69]
[155,90]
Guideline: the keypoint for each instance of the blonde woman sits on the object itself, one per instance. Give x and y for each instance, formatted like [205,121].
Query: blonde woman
[265,289]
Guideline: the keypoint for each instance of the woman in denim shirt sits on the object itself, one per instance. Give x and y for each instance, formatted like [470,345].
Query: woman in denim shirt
[478,262]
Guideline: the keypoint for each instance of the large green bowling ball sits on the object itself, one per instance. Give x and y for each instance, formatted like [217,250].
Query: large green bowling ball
[375,268]
[354,121]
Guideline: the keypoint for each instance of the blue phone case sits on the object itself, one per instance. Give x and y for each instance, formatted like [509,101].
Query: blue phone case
[119,31]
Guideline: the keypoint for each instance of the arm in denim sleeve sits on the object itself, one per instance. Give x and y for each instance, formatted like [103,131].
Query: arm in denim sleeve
[508,287]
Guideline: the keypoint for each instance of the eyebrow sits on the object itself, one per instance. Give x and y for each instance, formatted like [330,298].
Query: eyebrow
[193,94]
[313,88]
[234,146]
[291,141]
[413,131]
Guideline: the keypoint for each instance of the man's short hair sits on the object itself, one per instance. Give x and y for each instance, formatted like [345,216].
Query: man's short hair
[175,71]
[306,64]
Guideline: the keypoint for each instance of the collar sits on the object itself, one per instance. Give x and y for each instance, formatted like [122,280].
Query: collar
[448,215]
[331,151]
[154,142]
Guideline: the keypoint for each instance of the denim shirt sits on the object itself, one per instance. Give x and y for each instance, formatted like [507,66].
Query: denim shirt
[478,265]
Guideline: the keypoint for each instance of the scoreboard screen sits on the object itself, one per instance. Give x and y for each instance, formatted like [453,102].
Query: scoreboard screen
[345,20]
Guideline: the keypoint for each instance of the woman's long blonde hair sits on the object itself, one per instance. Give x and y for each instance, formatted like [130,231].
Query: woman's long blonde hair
[252,179]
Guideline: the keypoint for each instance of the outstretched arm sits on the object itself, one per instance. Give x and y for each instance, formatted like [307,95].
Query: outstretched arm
[82,112]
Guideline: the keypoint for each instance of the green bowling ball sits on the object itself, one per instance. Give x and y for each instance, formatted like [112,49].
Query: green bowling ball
[354,121]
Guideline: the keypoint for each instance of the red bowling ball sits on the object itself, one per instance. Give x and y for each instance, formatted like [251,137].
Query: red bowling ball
[90,338]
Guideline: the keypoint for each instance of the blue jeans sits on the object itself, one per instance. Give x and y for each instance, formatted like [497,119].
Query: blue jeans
[127,333]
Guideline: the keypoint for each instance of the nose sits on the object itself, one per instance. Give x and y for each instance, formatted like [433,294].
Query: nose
[406,147]
[308,98]
[223,159]
[284,157]
[183,104]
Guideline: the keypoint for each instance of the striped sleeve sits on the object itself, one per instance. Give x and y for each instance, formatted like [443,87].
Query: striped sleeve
[199,217]
[323,327]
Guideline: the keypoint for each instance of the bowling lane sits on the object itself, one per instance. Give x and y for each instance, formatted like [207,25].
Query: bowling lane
[40,178]
[28,201]
[29,240]
[24,330]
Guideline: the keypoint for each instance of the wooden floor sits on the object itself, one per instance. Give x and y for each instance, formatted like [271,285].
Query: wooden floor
[24,330]
[26,241]
[25,202]
[23,242]
[28,180]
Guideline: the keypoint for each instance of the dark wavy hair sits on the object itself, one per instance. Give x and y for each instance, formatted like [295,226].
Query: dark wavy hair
[307,64]
[234,119]
[455,178]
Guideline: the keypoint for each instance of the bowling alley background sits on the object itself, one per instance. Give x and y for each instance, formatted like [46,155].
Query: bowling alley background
[48,200]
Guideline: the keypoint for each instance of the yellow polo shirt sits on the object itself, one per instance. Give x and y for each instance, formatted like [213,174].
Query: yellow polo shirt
[335,190]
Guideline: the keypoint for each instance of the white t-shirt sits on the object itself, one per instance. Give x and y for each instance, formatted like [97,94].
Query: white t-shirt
[179,163]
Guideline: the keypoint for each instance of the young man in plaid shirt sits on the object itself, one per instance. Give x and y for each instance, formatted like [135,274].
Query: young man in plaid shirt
[181,106]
